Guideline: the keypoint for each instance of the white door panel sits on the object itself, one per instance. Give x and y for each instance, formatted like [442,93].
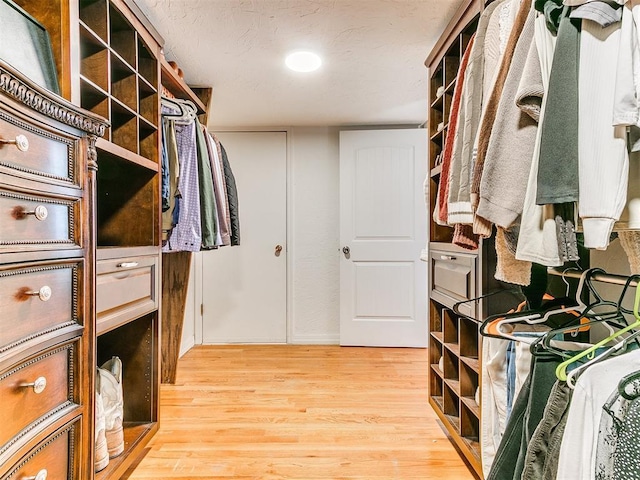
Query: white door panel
[244,287]
[383,224]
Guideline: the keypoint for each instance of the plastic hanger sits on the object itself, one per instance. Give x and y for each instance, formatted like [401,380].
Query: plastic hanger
[456,306]
[186,108]
[587,316]
[561,370]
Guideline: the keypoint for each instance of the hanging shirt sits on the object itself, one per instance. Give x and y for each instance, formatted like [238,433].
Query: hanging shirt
[187,234]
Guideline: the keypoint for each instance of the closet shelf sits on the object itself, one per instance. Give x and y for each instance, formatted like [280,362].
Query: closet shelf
[136,437]
[439,401]
[118,151]
[89,35]
[453,348]
[453,384]
[437,370]
[438,134]
[472,363]
[451,86]
[93,85]
[471,404]
[437,103]
[438,336]
[145,85]
[172,82]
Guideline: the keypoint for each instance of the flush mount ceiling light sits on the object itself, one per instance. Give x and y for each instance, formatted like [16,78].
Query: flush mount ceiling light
[303,61]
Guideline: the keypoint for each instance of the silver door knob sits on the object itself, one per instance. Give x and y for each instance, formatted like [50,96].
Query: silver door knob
[346,250]
[278,250]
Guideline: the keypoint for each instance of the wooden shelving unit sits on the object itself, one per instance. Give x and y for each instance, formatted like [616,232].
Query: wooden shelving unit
[454,274]
[454,344]
[108,59]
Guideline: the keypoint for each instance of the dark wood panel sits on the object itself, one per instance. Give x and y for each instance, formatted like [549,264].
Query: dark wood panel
[176,268]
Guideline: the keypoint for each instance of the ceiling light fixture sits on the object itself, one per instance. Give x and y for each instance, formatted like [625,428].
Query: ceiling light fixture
[303,61]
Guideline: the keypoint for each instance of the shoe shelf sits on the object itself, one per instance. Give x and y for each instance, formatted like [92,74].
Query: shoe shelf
[140,375]
[455,376]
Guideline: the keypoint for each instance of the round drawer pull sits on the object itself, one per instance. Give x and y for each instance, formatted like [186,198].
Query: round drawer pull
[41,475]
[40,212]
[127,265]
[21,142]
[43,294]
[38,387]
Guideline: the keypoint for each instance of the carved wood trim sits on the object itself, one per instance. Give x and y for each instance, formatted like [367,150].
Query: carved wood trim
[18,87]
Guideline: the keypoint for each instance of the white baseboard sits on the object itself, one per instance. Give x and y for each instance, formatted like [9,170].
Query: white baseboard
[302,339]
[186,346]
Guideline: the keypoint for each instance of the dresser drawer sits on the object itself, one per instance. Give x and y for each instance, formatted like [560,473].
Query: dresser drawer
[38,299]
[38,222]
[453,279]
[126,289]
[36,392]
[52,459]
[35,151]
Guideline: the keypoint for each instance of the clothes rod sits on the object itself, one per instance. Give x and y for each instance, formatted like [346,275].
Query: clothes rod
[598,277]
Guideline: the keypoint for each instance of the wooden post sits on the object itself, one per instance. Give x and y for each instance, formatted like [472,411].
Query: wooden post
[176,268]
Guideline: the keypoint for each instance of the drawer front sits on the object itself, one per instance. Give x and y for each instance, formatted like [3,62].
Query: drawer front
[38,299]
[453,279]
[38,222]
[126,287]
[35,392]
[52,459]
[36,151]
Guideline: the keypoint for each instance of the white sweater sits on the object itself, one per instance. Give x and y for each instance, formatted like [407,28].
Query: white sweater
[603,157]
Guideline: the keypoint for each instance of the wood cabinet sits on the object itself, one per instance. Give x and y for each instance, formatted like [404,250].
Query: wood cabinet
[47,252]
[455,274]
[108,59]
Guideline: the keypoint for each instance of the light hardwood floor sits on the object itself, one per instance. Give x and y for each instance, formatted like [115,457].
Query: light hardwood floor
[300,412]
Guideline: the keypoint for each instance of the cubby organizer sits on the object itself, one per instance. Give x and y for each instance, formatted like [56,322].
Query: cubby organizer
[119,77]
[455,372]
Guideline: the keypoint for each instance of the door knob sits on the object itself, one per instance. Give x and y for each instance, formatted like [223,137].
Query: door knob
[346,250]
[278,250]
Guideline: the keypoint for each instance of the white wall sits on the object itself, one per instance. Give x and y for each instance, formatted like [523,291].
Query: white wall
[314,259]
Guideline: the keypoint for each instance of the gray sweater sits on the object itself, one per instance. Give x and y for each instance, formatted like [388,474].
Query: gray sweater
[510,150]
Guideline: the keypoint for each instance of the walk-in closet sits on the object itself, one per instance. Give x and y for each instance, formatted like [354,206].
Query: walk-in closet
[319,239]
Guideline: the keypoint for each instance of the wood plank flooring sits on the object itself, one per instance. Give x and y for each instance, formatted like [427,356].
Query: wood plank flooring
[300,412]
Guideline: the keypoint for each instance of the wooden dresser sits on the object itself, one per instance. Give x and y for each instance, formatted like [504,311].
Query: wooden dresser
[47,257]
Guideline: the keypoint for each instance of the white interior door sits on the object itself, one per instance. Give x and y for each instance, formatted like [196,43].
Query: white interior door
[244,287]
[383,285]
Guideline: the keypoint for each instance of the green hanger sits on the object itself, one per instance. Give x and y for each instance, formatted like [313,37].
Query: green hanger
[561,370]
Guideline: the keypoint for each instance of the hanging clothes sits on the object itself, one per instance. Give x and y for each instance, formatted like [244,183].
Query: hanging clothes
[198,187]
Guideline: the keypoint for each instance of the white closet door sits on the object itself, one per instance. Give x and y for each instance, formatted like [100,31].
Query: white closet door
[244,287]
[383,230]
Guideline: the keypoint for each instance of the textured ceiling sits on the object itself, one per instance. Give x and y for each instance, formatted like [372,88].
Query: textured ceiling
[373,53]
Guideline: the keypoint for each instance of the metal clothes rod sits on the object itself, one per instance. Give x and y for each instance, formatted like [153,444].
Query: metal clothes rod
[598,277]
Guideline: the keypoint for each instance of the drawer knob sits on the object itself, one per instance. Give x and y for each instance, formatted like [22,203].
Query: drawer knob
[43,294]
[447,257]
[21,142]
[41,475]
[127,265]
[38,387]
[40,212]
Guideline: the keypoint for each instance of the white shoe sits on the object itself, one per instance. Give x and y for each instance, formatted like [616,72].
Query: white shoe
[101,451]
[111,390]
